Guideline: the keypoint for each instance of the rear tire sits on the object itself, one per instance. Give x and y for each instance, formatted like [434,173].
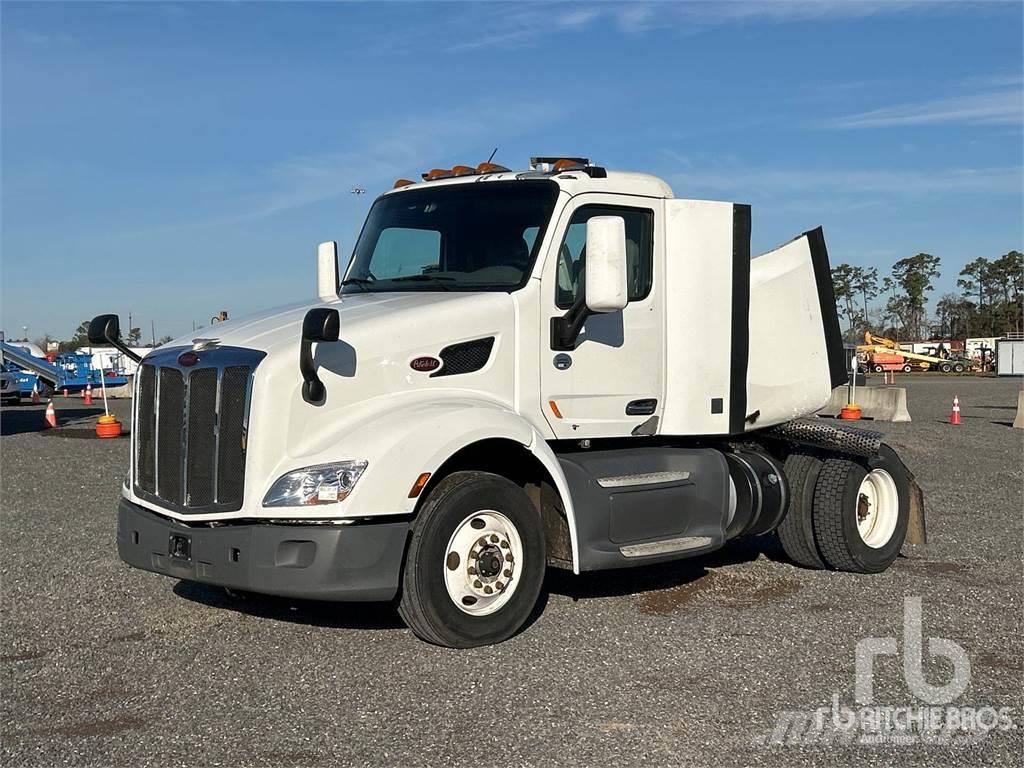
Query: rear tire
[907,368]
[879,368]
[446,603]
[861,512]
[958,368]
[796,532]
[946,368]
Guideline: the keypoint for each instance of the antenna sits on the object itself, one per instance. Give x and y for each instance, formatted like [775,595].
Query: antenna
[492,155]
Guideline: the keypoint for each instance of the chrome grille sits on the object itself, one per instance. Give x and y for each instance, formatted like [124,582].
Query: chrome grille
[191,428]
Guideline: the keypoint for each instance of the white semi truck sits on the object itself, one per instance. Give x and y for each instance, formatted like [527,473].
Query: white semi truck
[505,380]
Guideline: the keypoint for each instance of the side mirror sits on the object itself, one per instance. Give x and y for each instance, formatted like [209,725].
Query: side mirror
[106,329]
[327,270]
[606,289]
[319,325]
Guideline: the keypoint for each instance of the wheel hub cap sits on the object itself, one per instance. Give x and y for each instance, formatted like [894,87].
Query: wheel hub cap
[481,562]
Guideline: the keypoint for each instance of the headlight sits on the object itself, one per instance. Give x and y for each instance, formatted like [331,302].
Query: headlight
[322,484]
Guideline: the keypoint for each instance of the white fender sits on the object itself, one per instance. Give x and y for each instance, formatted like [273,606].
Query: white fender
[401,440]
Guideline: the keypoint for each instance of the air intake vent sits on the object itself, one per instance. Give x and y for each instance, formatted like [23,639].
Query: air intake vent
[465,357]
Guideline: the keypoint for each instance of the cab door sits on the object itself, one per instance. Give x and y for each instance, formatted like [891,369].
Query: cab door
[611,383]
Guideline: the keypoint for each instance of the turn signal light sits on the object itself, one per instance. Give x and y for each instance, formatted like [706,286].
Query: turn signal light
[417,487]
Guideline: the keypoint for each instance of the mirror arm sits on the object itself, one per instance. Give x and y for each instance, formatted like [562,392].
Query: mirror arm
[123,348]
[313,390]
[566,329]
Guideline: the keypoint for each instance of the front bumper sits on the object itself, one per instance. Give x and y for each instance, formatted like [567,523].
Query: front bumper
[319,562]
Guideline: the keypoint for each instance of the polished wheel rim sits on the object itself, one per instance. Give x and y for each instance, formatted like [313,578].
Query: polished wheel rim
[483,562]
[878,508]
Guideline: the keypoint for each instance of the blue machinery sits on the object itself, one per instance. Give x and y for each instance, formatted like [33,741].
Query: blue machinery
[69,370]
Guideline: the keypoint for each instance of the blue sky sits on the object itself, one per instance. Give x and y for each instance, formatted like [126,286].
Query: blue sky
[173,160]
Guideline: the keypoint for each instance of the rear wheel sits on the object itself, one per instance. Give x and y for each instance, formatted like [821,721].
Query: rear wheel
[908,368]
[796,531]
[879,368]
[861,512]
[475,562]
[958,368]
[945,367]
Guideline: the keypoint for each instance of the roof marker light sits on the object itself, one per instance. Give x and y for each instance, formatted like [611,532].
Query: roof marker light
[403,183]
[463,170]
[437,173]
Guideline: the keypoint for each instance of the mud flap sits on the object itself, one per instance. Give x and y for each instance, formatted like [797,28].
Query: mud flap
[916,543]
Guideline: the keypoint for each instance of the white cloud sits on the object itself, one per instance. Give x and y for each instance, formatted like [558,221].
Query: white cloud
[735,180]
[997,107]
[400,148]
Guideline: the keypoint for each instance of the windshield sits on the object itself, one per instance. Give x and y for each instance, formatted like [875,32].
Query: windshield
[457,237]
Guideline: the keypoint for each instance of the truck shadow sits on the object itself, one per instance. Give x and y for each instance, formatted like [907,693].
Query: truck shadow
[312,612]
[21,420]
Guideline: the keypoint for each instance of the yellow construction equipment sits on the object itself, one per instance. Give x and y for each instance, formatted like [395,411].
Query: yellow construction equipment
[879,354]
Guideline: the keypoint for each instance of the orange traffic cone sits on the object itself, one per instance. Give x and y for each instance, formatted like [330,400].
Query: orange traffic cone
[35,392]
[51,414]
[954,417]
[88,394]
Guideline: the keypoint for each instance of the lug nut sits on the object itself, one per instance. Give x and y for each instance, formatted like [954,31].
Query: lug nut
[494,538]
[488,590]
[471,571]
[508,557]
[507,573]
[477,584]
[504,545]
[500,586]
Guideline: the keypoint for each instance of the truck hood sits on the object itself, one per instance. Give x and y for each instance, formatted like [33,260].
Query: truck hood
[280,328]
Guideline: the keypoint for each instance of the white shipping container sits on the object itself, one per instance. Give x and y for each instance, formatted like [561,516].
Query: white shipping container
[1010,357]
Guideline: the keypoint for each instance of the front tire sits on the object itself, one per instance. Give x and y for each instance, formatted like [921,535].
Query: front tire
[475,562]
[861,512]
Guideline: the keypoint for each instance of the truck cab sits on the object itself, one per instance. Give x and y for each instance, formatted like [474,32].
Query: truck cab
[561,366]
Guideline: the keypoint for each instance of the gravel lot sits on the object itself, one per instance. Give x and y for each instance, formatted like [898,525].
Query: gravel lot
[690,663]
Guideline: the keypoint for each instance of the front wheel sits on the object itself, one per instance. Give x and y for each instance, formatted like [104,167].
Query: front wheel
[958,368]
[945,367]
[475,562]
[879,368]
[907,368]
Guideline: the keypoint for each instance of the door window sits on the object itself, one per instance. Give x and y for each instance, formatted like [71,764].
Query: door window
[572,253]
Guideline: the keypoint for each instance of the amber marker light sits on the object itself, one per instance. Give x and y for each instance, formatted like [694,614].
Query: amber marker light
[554,409]
[417,487]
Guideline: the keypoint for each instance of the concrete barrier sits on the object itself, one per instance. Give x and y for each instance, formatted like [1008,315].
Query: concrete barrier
[124,390]
[1018,420]
[878,403]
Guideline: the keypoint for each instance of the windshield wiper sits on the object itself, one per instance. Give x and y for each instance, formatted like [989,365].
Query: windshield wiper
[360,281]
[423,279]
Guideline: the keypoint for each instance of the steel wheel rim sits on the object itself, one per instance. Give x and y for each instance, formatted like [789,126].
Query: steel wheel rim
[878,508]
[483,562]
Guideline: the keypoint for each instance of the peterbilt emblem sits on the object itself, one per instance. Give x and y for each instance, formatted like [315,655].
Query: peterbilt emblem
[562,361]
[424,363]
[198,345]
[188,359]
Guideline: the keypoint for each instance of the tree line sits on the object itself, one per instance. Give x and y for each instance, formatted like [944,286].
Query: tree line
[989,304]
[80,338]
